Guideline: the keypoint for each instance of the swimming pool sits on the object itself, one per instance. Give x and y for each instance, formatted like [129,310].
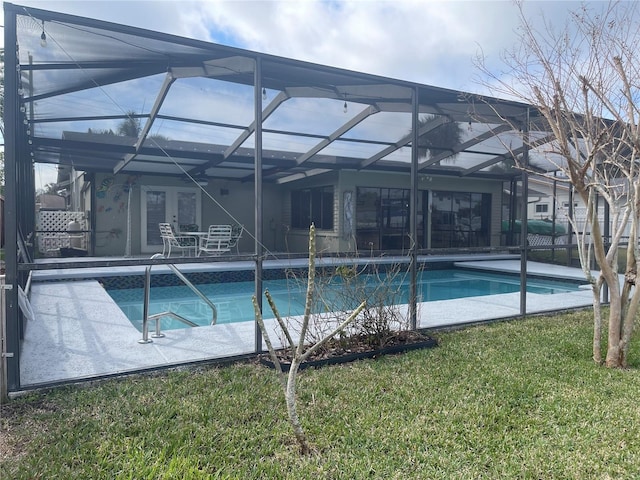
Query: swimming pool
[233,299]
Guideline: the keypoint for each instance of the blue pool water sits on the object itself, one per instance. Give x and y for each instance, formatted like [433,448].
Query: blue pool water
[233,299]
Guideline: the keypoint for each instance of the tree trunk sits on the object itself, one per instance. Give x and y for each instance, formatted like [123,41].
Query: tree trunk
[627,327]
[597,325]
[290,398]
[614,357]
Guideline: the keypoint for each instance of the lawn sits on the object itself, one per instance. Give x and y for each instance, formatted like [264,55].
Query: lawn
[519,399]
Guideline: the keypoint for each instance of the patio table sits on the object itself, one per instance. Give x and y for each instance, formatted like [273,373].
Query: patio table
[198,236]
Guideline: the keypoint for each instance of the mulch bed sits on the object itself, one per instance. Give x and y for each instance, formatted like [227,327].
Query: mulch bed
[356,348]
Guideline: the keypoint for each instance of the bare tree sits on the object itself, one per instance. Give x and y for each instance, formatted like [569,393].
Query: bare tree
[582,79]
[299,350]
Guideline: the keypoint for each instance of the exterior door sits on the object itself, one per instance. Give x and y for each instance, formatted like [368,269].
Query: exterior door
[394,213]
[175,205]
[382,218]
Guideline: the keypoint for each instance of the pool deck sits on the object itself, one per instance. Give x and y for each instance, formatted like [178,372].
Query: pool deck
[78,333]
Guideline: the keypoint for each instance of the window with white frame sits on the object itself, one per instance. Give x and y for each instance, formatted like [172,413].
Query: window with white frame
[542,208]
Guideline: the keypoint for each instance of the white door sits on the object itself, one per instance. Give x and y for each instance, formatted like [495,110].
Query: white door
[175,205]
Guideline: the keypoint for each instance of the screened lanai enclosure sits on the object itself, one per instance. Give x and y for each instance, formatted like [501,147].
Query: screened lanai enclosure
[146,129]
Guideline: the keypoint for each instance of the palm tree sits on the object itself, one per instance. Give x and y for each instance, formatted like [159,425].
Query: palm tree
[130,126]
[444,137]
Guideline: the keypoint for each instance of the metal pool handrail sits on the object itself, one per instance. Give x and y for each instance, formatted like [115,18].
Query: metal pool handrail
[147,292]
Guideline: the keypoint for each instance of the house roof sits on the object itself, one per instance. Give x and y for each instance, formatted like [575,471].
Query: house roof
[195,104]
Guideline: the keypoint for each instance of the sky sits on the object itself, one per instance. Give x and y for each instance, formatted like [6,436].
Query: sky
[431,42]
[426,41]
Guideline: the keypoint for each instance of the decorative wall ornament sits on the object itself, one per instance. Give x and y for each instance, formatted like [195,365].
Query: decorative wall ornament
[347,228]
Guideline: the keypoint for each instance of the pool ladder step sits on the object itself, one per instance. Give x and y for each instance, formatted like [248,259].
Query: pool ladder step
[157,316]
[158,334]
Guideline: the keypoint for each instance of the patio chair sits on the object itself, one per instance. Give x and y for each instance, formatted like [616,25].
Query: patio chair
[236,234]
[170,241]
[217,240]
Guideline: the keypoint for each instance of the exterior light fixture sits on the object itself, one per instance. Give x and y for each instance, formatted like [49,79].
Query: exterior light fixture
[344,108]
[264,93]
[43,37]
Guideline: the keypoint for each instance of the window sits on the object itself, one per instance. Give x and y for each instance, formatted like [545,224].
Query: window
[383,216]
[312,205]
[460,219]
[542,208]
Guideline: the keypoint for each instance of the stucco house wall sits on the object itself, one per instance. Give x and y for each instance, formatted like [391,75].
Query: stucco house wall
[222,202]
[226,201]
[348,181]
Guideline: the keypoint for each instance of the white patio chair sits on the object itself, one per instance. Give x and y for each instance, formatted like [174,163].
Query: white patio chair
[217,240]
[170,240]
[236,234]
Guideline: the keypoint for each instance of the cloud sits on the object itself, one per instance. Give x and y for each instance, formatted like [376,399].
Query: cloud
[432,42]
[426,42]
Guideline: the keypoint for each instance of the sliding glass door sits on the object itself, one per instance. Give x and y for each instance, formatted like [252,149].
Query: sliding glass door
[382,218]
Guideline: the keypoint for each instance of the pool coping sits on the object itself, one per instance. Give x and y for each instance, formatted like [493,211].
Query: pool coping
[247,265]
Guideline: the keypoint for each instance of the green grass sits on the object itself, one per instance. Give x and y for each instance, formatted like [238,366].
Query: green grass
[520,399]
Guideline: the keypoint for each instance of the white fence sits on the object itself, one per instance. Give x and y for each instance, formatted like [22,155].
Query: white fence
[580,218]
[54,233]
